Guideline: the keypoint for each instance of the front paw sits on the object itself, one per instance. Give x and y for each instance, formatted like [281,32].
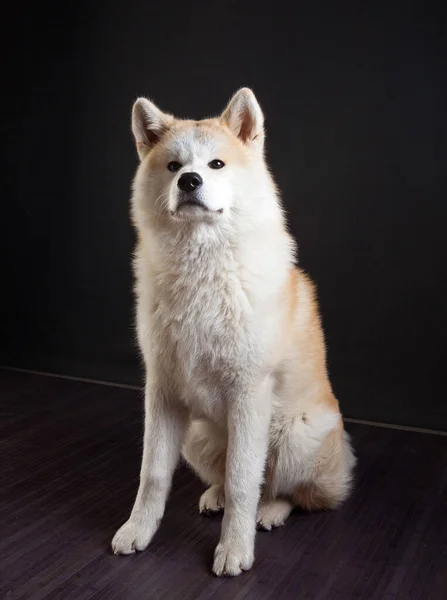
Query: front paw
[132,536]
[231,559]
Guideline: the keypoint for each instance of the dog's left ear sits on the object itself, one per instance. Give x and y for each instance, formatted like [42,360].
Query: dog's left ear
[244,117]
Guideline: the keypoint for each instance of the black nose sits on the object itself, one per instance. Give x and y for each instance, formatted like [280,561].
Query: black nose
[189,182]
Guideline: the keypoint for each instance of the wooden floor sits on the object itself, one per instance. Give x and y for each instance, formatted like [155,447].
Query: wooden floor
[69,460]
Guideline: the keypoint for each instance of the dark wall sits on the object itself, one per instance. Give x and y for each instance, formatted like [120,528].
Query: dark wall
[355,100]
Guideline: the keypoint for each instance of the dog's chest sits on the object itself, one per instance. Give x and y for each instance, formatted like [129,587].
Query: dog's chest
[203,318]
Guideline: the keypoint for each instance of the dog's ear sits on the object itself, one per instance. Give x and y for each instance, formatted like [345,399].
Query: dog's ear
[244,117]
[149,123]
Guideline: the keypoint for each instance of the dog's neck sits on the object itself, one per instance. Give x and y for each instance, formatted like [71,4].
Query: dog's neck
[195,247]
[194,255]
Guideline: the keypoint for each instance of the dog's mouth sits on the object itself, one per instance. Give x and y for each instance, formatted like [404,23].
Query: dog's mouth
[192,202]
[194,205]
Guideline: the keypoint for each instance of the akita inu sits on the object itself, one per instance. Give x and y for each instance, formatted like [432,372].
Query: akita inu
[230,334]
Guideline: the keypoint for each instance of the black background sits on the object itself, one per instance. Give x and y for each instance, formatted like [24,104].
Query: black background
[355,101]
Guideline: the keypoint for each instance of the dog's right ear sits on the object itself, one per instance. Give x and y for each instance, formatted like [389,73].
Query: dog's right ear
[149,123]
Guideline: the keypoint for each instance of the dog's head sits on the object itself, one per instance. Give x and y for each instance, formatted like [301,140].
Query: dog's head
[200,171]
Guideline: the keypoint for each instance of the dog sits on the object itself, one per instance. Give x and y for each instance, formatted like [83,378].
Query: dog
[230,332]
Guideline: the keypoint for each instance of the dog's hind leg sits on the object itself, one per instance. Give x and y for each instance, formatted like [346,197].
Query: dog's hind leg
[205,451]
[273,513]
[331,480]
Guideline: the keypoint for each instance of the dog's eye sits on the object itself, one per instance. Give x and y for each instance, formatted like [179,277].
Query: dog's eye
[216,164]
[174,166]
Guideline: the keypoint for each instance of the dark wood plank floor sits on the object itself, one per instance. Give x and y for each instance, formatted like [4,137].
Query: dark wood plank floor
[69,467]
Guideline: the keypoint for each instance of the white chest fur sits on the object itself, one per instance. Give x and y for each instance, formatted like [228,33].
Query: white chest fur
[201,316]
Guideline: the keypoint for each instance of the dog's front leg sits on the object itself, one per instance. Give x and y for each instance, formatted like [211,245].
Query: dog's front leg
[164,431]
[248,434]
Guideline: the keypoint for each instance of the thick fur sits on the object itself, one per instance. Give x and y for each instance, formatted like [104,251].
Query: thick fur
[231,337]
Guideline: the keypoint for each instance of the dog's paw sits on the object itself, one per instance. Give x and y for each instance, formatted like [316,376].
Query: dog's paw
[273,514]
[212,501]
[230,560]
[130,537]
